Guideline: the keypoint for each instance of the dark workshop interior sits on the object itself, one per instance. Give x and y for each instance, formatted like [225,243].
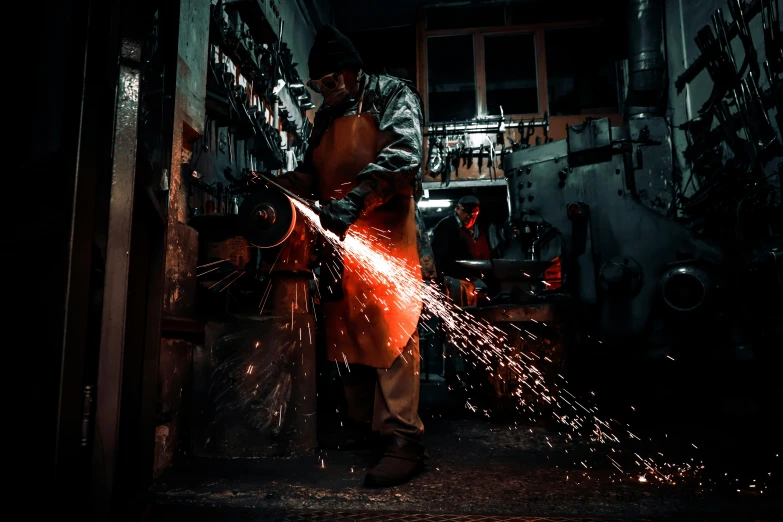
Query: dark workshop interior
[594,285]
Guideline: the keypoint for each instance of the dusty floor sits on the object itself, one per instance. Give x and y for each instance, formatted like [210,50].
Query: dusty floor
[475,468]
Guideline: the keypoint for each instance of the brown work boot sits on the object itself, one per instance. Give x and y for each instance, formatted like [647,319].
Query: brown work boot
[400,462]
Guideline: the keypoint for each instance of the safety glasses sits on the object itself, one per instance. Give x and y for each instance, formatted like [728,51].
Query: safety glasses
[327,83]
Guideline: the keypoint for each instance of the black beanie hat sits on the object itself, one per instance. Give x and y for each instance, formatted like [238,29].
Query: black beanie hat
[331,52]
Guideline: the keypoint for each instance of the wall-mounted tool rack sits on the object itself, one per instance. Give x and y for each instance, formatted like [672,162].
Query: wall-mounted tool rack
[255,103]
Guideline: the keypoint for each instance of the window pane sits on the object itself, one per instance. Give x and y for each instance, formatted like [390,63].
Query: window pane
[452,86]
[581,74]
[465,17]
[510,73]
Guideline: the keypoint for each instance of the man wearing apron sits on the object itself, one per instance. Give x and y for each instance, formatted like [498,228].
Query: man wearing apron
[363,165]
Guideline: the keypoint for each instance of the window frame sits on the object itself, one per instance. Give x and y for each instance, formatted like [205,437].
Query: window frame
[538,30]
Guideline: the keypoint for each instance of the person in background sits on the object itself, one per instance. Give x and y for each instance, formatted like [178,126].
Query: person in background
[461,237]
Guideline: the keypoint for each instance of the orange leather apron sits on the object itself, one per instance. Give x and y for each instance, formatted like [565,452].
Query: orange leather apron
[373,322]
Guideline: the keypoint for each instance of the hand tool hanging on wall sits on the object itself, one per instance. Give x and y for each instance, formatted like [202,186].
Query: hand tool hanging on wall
[480,158]
[753,8]
[751,60]
[447,157]
[435,165]
[469,151]
[547,139]
[773,39]
[717,66]
[742,150]
[765,132]
[430,152]
[742,109]
[777,97]
[491,161]
[216,24]
[463,152]
[445,153]
[529,131]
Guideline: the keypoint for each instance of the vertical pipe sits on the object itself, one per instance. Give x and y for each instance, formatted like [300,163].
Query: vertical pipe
[646,63]
[684,61]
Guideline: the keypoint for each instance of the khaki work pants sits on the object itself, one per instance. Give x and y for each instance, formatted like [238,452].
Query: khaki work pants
[389,398]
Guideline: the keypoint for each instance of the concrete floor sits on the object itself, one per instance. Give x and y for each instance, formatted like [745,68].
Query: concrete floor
[475,468]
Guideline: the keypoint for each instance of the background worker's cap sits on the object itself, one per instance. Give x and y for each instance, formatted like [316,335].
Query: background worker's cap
[469,202]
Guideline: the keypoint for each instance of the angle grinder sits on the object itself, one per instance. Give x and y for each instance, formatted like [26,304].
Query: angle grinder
[268,215]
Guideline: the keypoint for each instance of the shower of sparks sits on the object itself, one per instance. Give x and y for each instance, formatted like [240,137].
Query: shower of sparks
[267,291]
[229,275]
[485,343]
[208,271]
[233,280]
[212,263]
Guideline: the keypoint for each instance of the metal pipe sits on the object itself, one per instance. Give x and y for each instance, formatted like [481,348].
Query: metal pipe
[685,64]
[646,62]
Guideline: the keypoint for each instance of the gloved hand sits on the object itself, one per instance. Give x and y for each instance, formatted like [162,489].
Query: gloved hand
[339,214]
[480,288]
[480,285]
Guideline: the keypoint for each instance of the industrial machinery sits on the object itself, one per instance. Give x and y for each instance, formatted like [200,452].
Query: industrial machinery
[646,265]
[256,376]
[650,263]
[582,200]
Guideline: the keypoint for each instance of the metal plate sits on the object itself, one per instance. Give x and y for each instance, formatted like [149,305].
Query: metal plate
[267,217]
[590,135]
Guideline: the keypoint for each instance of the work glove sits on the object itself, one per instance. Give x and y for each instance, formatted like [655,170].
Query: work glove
[480,288]
[339,214]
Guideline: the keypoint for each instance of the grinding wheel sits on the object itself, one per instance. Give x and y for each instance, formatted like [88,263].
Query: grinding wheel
[268,218]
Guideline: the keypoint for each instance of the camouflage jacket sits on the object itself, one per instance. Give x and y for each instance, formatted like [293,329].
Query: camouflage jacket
[397,111]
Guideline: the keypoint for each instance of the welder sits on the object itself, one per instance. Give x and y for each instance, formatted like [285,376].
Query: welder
[363,164]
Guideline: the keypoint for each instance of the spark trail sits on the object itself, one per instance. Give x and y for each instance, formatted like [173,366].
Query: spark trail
[489,345]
